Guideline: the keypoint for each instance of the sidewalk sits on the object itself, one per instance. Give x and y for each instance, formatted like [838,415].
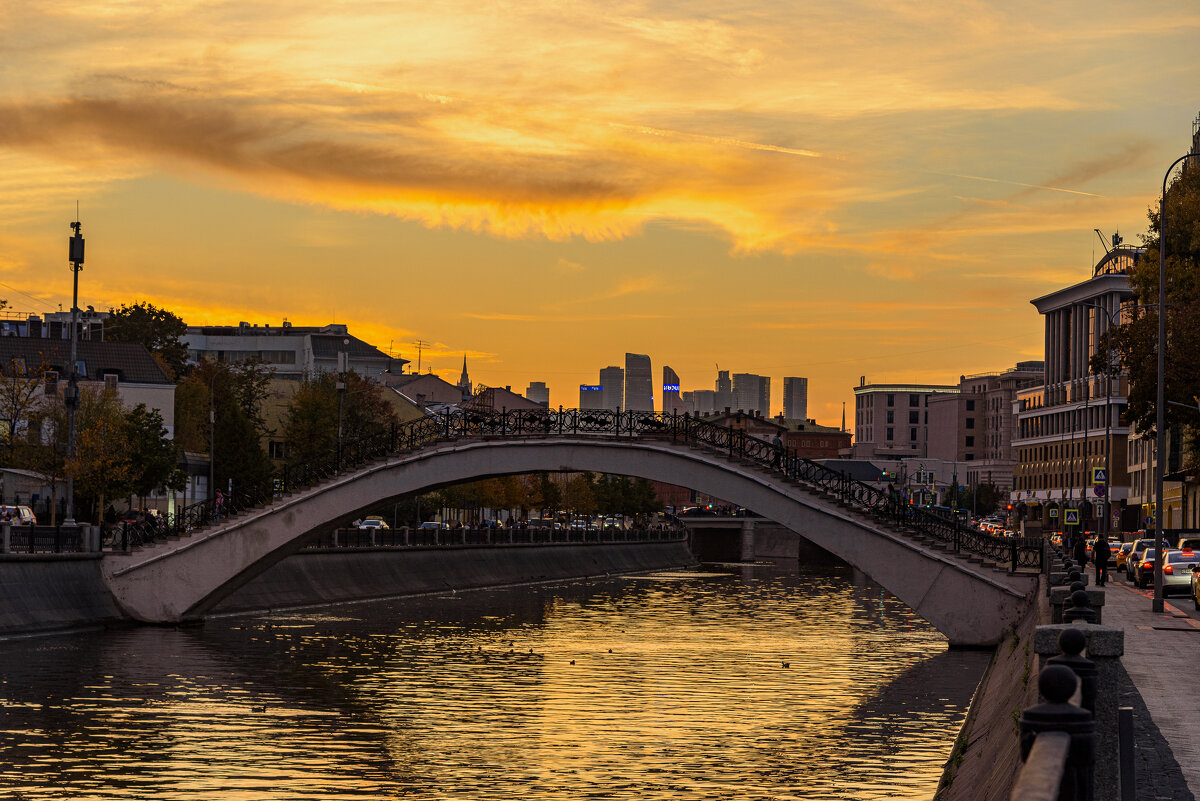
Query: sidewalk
[1162,654]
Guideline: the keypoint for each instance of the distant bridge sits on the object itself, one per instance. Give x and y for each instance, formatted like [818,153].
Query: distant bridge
[970,586]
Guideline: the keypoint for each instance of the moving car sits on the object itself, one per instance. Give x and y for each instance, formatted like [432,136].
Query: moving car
[1122,555]
[372,522]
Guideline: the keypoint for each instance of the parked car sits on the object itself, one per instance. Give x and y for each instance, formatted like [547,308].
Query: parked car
[18,515]
[1135,557]
[1144,570]
[1188,542]
[1177,571]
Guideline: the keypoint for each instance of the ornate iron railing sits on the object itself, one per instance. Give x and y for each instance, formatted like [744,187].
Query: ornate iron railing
[405,537]
[881,505]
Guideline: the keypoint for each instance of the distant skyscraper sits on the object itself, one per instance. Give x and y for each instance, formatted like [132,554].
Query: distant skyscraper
[538,392]
[591,396]
[795,398]
[704,401]
[752,393]
[612,384]
[671,399]
[724,392]
[639,383]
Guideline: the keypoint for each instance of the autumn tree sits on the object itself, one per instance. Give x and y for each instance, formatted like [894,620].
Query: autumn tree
[311,423]
[102,466]
[20,394]
[161,331]
[1136,338]
[42,448]
[236,393]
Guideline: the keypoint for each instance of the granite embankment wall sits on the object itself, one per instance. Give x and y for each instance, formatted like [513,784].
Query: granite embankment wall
[56,593]
[49,593]
[330,575]
[986,758]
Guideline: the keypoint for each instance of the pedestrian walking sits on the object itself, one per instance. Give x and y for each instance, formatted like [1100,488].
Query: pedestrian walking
[219,505]
[1100,554]
[1079,551]
[777,444]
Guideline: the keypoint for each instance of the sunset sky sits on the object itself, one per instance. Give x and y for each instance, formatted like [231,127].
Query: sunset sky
[788,188]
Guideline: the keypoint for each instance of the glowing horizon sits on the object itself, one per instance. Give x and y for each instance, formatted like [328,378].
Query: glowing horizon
[782,189]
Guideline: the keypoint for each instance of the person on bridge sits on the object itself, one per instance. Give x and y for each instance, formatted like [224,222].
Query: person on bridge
[777,444]
[1100,553]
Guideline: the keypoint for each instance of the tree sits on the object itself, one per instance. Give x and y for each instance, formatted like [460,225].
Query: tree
[1136,338]
[311,423]
[235,393]
[158,329]
[102,466]
[153,456]
[19,387]
[42,448]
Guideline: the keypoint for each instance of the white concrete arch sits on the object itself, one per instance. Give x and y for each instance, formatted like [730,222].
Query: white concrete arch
[173,581]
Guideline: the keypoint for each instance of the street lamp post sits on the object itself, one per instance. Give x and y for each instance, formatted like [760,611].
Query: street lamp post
[1113,320]
[71,395]
[1160,398]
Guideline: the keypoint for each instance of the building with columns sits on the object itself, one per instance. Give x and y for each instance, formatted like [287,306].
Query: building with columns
[1073,424]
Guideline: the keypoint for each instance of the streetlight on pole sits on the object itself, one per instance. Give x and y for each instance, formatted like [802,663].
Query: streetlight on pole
[71,395]
[1160,421]
[1113,317]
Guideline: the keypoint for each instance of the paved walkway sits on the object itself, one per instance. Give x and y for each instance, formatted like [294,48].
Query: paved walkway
[1162,653]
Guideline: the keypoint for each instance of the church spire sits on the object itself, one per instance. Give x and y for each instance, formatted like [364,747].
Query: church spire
[464,381]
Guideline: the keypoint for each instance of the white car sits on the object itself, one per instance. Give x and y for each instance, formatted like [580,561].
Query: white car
[376,523]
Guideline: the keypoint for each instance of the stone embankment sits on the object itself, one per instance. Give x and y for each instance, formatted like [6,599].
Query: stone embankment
[46,593]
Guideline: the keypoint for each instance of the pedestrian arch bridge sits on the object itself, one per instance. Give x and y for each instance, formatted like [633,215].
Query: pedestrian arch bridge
[971,587]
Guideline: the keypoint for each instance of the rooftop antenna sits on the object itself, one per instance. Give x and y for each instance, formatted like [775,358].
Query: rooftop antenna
[421,344]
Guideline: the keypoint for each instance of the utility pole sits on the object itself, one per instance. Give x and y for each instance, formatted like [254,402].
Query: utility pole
[421,344]
[71,395]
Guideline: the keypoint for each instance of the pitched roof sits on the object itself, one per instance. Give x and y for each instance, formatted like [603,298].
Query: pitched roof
[131,362]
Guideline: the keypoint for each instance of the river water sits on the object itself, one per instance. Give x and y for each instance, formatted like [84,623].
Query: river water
[745,683]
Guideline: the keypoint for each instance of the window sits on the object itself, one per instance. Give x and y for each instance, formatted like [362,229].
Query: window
[891,416]
[970,442]
[914,418]
[970,406]
[970,457]
[912,435]
[51,379]
[914,400]
[891,400]
[111,381]
[970,422]
[891,434]
[276,450]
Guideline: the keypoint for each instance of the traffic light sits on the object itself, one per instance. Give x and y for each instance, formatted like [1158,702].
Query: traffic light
[1010,507]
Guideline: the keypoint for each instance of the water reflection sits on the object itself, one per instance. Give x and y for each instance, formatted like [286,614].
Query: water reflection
[669,686]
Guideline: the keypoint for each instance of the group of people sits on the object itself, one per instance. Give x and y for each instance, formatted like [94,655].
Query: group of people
[1100,556]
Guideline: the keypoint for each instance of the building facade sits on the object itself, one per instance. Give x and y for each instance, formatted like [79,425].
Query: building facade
[538,392]
[1073,423]
[976,425]
[612,388]
[639,383]
[752,394]
[891,421]
[292,352]
[795,398]
[672,401]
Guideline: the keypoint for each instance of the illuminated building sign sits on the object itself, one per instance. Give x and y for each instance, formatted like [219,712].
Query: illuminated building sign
[670,387]
[590,388]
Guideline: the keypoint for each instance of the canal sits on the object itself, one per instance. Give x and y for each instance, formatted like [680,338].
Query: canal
[750,683]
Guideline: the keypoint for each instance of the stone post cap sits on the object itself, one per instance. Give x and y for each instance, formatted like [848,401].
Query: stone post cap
[1101,640]
[1060,595]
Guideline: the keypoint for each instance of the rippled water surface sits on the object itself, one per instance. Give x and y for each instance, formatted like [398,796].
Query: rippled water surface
[671,686]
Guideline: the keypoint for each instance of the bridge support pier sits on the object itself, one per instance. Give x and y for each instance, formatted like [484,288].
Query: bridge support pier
[747,540]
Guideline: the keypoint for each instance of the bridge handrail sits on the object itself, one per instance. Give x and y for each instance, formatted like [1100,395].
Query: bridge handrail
[405,537]
[883,505]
